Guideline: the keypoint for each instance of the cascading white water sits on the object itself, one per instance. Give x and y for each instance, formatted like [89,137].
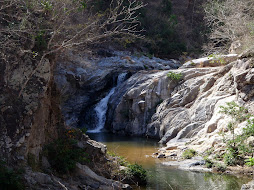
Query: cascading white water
[102,107]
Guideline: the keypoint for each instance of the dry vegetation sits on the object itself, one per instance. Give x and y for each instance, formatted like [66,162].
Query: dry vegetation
[229,21]
[41,29]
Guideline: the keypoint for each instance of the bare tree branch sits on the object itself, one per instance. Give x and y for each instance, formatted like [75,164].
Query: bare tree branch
[44,28]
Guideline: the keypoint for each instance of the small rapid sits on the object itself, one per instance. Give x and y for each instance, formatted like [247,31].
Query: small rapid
[102,106]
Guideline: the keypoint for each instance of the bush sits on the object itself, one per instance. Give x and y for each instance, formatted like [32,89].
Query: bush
[249,129]
[174,76]
[230,159]
[10,179]
[138,172]
[208,163]
[250,161]
[209,151]
[236,148]
[220,167]
[63,154]
[120,159]
[188,154]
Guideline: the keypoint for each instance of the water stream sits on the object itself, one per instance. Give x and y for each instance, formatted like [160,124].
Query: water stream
[161,177]
[102,107]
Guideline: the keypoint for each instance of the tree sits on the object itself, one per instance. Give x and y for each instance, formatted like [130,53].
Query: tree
[44,28]
[228,21]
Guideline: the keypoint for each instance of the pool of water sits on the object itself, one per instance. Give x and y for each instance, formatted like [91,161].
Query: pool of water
[160,177]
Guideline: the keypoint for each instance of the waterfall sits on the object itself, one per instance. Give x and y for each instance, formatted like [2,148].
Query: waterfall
[102,107]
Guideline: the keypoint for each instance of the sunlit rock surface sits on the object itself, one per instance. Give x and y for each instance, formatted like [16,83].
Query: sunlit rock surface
[152,104]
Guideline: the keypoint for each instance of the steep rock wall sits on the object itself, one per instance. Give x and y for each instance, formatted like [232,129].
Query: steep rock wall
[188,106]
[27,121]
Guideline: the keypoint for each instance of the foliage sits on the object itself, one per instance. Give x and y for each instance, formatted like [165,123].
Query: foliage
[120,159]
[209,151]
[249,129]
[238,113]
[10,179]
[136,171]
[63,153]
[133,172]
[167,7]
[220,167]
[208,162]
[250,161]
[218,157]
[188,154]
[236,148]
[174,76]
[228,21]
[50,27]
[217,58]
[230,158]
[161,37]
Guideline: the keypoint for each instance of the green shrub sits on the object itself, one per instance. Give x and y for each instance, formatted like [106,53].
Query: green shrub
[232,157]
[250,161]
[218,157]
[136,171]
[209,151]
[63,154]
[174,76]
[208,162]
[238,113]
[188,154]
[229,159]
[10,179]
[236,148]
[47,5]
[133,172]
[220,168]
[217,58]
[249,129]
[120,159]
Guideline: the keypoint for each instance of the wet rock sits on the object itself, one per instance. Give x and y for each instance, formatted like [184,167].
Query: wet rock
[126,187]
[161,155]
[198,163]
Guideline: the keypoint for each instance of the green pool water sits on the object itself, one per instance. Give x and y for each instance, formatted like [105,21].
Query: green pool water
[160,177]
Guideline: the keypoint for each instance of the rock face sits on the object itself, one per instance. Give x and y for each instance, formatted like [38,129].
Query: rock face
[135,101]
[25,117]
[154,105]
[84,81]
[248,186]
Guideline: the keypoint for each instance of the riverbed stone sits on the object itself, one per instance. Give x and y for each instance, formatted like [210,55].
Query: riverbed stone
[248,186]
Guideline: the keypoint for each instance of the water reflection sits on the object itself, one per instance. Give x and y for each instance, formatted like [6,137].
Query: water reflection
[161,177]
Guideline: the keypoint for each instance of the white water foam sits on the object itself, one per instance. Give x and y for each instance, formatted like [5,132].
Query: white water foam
[102,107]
